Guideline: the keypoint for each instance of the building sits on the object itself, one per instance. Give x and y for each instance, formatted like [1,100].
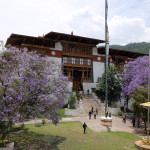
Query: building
[82,61]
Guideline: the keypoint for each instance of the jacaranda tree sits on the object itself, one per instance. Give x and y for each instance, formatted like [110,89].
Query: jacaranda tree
[135,76]
[30,86]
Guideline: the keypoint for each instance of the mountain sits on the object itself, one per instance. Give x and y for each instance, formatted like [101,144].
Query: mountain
[141,47]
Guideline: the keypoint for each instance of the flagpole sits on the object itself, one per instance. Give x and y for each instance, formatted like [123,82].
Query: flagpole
[106,57]
[106,121]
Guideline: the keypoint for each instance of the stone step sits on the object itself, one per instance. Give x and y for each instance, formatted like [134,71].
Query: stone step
[88,102]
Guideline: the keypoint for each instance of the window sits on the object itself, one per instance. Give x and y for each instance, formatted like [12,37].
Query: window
[81,61]
[73,60]
[89,61]
[64,60]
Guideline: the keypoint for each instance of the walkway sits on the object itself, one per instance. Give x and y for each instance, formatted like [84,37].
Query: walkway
[94,124]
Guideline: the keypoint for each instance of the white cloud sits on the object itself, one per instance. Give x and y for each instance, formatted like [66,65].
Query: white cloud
[125,30]
[86,23]
[128,19]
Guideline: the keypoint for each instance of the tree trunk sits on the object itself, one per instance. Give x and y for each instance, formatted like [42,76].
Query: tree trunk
[4,134]
[145,127]
[127,102]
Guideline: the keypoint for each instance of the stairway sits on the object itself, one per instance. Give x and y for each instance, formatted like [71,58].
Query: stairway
[88,102]
[77,85]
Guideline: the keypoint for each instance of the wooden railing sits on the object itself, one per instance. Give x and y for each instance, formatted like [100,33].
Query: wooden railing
[73,52]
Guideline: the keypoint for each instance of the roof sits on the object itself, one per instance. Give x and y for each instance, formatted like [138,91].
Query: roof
[145,105]
[112,51]
[72,38]
[16,39]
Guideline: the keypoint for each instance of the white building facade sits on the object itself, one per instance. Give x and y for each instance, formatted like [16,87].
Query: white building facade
[81,60]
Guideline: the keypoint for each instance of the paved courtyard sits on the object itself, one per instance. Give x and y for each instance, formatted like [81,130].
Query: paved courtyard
[94,124]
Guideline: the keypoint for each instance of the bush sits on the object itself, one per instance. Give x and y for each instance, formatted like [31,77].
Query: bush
[38,125]
[78,95]
[43,122]
[93,89]
[65,105]
[72,102]
[122,108]
[22,126]
[120,113]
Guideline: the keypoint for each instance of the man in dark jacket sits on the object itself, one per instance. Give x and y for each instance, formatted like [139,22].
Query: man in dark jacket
[84,127]
[90,113]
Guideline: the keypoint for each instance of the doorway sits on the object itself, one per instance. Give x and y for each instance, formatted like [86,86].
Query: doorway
[77,80]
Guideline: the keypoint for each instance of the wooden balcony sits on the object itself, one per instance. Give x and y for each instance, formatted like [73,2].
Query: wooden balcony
[76,54]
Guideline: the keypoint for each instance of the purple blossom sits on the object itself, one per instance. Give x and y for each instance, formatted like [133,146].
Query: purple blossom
[135,75]
[30,86]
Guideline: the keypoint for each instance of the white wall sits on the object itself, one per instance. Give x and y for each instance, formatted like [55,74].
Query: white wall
[114,111]
[87,86]
[98,67]
[58,46]
[72,112]
[94,51]
[98,70]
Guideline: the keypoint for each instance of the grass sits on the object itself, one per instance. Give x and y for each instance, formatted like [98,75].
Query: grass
[69,136]
[62,112]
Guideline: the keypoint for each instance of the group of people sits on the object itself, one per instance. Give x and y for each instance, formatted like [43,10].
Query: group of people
[94,112]
[108,114]
[135,122]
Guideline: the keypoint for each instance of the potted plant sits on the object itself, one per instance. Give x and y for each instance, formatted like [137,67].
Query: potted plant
[143,144]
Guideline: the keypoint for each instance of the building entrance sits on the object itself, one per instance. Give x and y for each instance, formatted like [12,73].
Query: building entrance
[77,80]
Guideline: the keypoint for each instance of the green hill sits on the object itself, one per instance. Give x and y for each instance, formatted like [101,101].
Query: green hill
[142,47]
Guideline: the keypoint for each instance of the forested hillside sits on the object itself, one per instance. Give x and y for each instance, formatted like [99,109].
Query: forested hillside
[142,47]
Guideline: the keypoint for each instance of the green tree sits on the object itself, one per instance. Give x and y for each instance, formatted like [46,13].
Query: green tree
[140,96]
[114,86]
[140,47]
[72,102]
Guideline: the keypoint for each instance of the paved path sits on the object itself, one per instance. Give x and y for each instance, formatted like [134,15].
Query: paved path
[94,124]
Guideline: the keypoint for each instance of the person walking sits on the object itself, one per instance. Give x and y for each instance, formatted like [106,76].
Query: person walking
[94,114]
[88,91]
[133,121]
[92,110]
[138,122]
[96,111]
[90,113]
[106,114]
[84,127]
[109,114]
[124,118]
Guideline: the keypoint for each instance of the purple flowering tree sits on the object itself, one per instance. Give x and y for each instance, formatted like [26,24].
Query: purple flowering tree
[135,76]
[30,86]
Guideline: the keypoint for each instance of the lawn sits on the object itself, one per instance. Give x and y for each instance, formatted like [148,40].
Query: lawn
[69,136]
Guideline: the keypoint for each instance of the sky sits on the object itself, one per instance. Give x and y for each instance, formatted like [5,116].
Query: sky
[128,20]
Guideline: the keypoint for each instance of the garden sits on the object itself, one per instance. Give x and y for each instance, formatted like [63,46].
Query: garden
[32,86]
[69,136]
